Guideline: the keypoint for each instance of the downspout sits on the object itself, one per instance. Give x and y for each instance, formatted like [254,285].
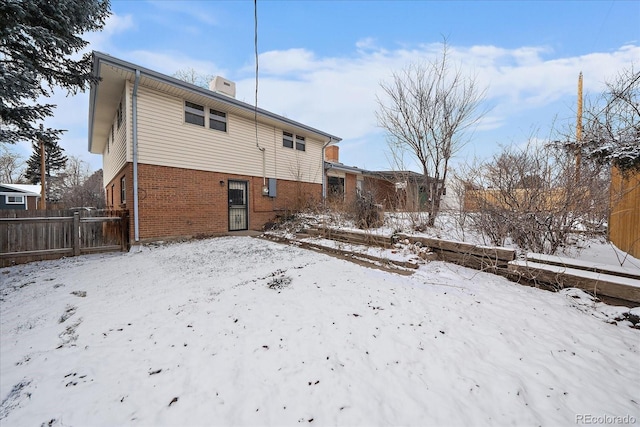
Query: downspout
[134,125]
[324,172]
[255,106]
[264,167]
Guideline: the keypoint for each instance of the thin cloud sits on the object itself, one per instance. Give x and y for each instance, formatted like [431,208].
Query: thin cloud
[192,10]
[170,62]
[338,94]
[114,25]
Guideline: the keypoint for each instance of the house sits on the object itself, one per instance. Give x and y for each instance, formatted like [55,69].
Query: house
[19,196]
[402,190]
[188,161]
[394,190]
[344,182]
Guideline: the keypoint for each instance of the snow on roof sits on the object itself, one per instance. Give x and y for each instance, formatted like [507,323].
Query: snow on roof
[34,190]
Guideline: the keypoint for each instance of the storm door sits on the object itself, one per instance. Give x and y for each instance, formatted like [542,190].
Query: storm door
[238,207]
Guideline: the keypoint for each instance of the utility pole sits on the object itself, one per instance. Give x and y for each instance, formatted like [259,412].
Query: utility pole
[43,198]
[579,129]
[43,192]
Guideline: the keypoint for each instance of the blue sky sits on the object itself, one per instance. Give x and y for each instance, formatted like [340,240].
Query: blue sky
[321,62]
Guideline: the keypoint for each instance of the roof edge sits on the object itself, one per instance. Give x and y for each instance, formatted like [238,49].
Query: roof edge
[100,57]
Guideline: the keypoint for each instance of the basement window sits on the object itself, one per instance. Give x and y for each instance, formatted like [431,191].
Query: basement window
[217,120]
[15,200]
[193,113]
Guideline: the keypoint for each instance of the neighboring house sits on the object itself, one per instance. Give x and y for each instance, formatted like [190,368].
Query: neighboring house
[344,182]
[187,161]
[19,196]
[394,190]
[402,190]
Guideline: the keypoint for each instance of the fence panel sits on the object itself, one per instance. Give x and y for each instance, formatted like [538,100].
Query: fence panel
[25,237]
[624,219]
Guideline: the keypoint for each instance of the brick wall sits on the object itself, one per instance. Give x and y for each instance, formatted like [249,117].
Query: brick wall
[176,202]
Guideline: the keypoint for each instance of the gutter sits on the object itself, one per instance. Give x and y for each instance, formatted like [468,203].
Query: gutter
[92,99]
[324,171]
[134,125]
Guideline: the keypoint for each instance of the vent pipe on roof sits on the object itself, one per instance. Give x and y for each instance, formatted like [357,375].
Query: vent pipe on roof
[223,86]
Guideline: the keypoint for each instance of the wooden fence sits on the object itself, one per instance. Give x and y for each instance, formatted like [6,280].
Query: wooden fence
[27,236]
[624,220]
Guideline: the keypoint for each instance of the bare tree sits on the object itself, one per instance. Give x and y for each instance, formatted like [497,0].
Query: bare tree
[427,108]
[190,75]
[12,165]
[612,123]
[79,187]
[530,196]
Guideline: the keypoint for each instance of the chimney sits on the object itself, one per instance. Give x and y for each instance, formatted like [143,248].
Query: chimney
[331,153]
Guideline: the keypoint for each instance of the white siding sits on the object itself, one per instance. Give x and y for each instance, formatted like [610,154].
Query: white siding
[115,151]
[165,139]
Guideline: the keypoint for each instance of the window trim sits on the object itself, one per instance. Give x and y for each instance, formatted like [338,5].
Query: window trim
[119,114]
[193,110]
[331,187]
[218,116]
[294,141]
[288,137]
[20,196]
[123,190]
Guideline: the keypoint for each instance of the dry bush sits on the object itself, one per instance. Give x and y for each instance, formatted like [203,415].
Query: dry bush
[531,196]
[367,213]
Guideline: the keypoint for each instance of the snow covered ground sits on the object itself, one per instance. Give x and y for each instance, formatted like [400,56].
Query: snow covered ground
[241,331]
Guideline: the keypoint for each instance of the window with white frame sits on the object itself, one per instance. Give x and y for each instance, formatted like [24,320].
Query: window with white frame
[15,200]
[123,190]
[119,114]
[287,139]
[217,120]
[193,113]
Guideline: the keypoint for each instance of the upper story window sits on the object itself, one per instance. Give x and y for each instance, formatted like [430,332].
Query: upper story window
[217,120]
[119,114]
[287,139]
[15,200]
[193,113]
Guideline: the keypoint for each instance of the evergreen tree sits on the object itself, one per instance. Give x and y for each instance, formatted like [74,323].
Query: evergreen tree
[54,160]
[38,39]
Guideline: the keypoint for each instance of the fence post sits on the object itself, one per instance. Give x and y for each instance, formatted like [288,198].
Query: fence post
[76,233]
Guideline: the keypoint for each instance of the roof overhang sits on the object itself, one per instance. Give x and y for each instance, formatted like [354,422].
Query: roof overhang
[114,73]
[343,168]
[22,189]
